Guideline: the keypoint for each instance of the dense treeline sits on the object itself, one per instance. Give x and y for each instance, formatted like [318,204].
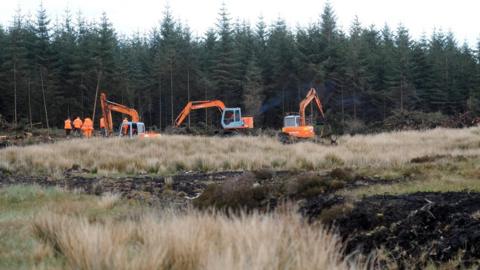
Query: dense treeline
[49,71]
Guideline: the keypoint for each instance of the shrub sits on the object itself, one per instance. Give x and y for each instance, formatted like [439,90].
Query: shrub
[305,186]
[329,215]
[342,174]
[334,160]
[242,193]
[311,185]
[406,120]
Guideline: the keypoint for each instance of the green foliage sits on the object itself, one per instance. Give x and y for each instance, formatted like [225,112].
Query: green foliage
[51,71]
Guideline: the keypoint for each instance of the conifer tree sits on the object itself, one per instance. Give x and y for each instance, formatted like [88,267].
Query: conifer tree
[401,87]
[50,71]
[422,79]
[225,72]
[15,61]
[253,92]
[43,60]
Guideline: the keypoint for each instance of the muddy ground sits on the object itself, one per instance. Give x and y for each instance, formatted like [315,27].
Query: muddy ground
[177,189]
[183,188]
[416,228]
[413,229]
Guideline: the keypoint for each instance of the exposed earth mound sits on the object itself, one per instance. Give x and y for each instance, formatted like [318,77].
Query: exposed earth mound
[417,228]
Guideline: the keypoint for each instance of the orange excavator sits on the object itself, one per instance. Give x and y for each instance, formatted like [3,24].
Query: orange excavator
[295,125]
[129,128]
[231,117]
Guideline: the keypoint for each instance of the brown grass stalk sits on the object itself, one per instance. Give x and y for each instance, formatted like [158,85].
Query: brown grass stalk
[192,241]
[172,154]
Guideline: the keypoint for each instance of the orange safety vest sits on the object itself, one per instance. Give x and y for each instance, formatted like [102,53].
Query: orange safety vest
[68,124]
[87,124]
[77,123]
[102,123]
[124,127]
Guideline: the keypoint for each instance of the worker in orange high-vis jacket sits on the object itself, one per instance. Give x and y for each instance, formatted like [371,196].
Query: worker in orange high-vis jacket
[68,127]
[125,127]
[103,129]
[87,127]
[77,125]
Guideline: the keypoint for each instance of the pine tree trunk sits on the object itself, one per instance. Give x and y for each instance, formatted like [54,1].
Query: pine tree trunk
[188,93]
[150,108]
[97,88]
[44,100]
[401,95]
[15,94]
[29,105]
[82,97]
[206,112]
[354,103]
[343,106]
[171,94]
[384,105]
[160,103]
[299,98]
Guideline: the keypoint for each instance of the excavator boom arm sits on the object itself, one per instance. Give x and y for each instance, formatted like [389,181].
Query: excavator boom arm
[109,106]
[311,96]
[125,110]
[195,105]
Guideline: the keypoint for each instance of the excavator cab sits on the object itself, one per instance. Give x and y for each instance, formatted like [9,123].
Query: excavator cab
[292,127]
[291,121]
[232,119]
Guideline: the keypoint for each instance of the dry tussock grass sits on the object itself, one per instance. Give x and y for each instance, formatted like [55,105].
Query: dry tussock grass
[191,241]
[171,154]
[108,200]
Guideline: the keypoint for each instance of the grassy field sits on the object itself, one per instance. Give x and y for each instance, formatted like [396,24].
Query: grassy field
[52,229]
[173,154]
[48,228]
[438,173]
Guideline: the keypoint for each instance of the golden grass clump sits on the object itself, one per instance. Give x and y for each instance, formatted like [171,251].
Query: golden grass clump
[108,200]
[171,154]
[191,240]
